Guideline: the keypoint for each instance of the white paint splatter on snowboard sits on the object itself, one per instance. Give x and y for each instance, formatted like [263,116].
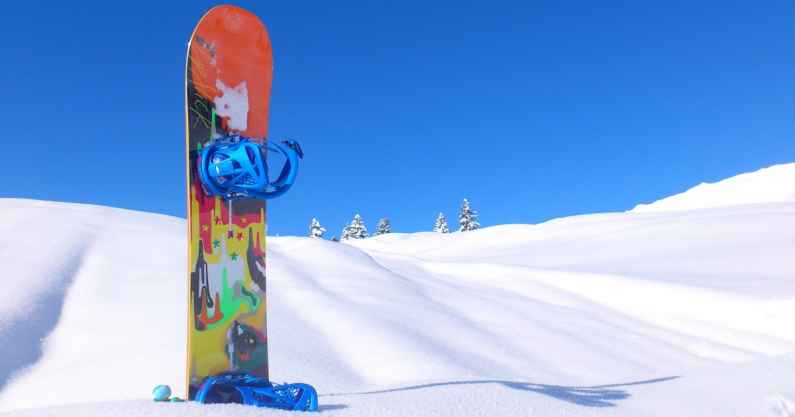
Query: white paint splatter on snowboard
[233,105]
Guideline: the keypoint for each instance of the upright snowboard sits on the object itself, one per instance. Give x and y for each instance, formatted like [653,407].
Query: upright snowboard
[228,81]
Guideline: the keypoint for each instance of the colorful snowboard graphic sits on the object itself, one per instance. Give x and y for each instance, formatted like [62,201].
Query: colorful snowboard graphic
[228,81]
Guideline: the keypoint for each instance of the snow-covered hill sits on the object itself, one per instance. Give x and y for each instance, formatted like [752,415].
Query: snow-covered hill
[664,313]
[767,185]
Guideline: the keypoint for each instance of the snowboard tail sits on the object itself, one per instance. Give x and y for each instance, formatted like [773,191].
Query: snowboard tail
[228,81]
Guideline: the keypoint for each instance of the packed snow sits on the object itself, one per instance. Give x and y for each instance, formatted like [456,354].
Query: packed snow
[684,308]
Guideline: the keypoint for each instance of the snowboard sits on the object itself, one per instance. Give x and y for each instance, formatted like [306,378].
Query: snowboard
[228,81]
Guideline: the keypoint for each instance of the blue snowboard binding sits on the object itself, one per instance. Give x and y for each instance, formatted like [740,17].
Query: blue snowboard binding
[235,167]
[242,388]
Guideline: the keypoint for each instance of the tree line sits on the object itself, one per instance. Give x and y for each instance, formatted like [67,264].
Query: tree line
[356,229]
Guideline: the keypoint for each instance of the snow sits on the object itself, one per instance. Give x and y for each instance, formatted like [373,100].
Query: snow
[771,184]
[685,312]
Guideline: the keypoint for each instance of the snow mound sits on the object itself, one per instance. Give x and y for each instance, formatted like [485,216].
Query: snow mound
[767,185]
[681,313]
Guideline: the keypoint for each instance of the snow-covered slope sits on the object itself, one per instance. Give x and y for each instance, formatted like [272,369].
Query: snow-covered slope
[681,313]
[767,185]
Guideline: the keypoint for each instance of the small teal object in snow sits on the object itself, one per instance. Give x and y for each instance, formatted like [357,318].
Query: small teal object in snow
[161,393]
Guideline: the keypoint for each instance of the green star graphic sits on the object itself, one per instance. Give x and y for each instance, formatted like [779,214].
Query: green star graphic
[233,255]
[216,243]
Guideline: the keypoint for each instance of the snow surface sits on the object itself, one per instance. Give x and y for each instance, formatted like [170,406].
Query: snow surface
[767,185]
[665,313]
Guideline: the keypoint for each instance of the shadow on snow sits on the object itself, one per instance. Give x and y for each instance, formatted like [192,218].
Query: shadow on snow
[21,340]
[592,396]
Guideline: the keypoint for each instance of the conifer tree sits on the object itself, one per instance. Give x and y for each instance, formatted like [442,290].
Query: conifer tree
[441,224]
[383,227]
[468,218]
[315,229]
[355,230]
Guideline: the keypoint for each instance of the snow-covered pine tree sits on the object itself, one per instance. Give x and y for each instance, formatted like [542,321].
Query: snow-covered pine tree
[383,227]
[355,230]
[441,224]
[315,229]
[468,218]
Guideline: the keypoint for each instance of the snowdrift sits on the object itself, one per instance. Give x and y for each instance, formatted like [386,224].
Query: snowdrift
[646,313]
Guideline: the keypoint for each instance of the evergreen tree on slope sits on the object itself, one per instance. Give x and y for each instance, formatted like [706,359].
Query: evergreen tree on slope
[315,229]
[441,224]
[383,227]
[468,218]
[355,230]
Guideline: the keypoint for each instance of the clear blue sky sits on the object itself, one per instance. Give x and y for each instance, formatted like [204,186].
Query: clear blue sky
[532,110]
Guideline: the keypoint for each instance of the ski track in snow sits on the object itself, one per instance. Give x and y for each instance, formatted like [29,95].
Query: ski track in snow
[664,313]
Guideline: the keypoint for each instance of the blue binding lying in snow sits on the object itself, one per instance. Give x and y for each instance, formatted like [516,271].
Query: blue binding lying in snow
[242,388]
